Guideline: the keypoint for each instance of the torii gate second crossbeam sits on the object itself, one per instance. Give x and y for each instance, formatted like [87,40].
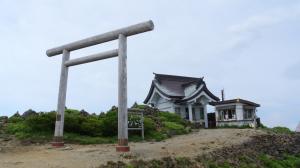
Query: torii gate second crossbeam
[121,52]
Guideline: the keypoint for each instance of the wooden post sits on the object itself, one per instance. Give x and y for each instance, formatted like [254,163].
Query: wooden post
[59,124]
[122,100]
[142,122]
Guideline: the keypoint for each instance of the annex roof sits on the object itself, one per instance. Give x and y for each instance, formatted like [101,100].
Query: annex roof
[238,100]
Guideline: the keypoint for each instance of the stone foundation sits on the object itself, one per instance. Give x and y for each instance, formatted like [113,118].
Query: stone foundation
[58,142]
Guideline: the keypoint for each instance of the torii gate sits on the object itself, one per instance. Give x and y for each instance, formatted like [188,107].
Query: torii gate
[121,52]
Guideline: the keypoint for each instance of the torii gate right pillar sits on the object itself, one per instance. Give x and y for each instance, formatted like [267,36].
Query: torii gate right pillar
[122,100]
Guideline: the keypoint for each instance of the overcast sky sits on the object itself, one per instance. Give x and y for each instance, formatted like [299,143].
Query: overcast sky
[249,48]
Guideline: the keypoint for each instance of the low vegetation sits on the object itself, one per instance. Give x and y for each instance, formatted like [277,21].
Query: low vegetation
[84,128]
[277,130]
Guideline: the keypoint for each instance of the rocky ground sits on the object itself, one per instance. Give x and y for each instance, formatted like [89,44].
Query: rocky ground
[273,145]
[264,150]
[202,142]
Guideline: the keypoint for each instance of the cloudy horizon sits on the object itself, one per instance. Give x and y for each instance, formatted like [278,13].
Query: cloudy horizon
[249,48]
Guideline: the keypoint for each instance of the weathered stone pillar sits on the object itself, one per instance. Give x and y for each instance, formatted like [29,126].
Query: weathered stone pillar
[59,124]
[190,113]
[122,101]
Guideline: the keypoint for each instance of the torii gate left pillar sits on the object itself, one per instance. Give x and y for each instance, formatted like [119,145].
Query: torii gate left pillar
[121,52]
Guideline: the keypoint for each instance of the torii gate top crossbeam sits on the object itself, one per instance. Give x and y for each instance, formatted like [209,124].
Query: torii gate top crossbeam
[98,39]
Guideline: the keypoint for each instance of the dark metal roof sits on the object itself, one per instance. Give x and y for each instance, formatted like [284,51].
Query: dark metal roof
[186,79]
[235,101]
[173,86]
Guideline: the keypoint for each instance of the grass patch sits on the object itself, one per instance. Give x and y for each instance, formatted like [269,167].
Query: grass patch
[277,130]
[287,161]
[84,140]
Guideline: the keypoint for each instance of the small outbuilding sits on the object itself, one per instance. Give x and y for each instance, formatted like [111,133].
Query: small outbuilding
[235,112]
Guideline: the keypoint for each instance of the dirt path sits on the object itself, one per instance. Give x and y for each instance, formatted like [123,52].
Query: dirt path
[94,155]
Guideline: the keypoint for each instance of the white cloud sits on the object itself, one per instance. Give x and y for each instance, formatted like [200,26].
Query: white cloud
[266,19]
[293,71]
[252,28]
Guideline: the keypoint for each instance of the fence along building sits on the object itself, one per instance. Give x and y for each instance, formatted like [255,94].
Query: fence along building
[186,96]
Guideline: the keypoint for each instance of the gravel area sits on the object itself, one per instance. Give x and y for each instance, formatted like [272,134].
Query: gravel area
[77,156]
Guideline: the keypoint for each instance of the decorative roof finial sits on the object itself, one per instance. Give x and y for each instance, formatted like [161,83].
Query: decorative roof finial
[223,94]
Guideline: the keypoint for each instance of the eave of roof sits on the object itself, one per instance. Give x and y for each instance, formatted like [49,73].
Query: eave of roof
[153,86]
[235,101]
[203,89]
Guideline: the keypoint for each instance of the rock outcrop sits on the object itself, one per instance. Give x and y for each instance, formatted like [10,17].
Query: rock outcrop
[28,113]
[275,145]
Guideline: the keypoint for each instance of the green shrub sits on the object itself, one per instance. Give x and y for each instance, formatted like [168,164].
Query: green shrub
[44,122]
[87,128]
[72,112]
[139,106]
[73,122]
[149,125]
[171,117]
[156,135]
[15,119]
[13,128]
[286,161]
[110,123]
[86,125]
[281,130]
[91,126]
[172,128]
